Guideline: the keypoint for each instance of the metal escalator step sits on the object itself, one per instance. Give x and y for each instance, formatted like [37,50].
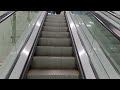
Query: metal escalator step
[62,18]
[53,51]
[55,21]
[54,42]
[55,24]
[55,29]
[59,15]
[47,62]
[46,34]
[53,74]
[56,16]
[52,15]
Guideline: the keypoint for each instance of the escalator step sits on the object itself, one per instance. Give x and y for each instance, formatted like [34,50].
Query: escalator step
[53,74]
[53,51]
[47,62]
[56,15]
[57,18]
[54,18]
[54,42]
[55,24]
[55,29]
[46,34]
[54,56]
[55,21]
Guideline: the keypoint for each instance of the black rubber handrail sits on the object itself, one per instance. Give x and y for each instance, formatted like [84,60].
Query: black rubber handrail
[114,14]
[6,15]
[110,27]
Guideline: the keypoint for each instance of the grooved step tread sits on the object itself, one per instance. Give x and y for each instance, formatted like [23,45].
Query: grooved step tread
[54,57]
[46,34]
[55,29]
[53,74]
[54,42]
[55,24]
[55,21]
[57,18]
[51,62]
[53,51]
[54,17]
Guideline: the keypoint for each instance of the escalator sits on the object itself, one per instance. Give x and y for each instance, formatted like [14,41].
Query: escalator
[54,56]
[72,46]
[77,45]
[108,42]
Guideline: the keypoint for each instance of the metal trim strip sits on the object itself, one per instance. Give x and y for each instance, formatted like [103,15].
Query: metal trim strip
[84,59]
[95,63]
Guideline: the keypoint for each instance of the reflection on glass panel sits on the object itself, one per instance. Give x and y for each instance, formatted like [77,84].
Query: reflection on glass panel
[108,42]
[11,30]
